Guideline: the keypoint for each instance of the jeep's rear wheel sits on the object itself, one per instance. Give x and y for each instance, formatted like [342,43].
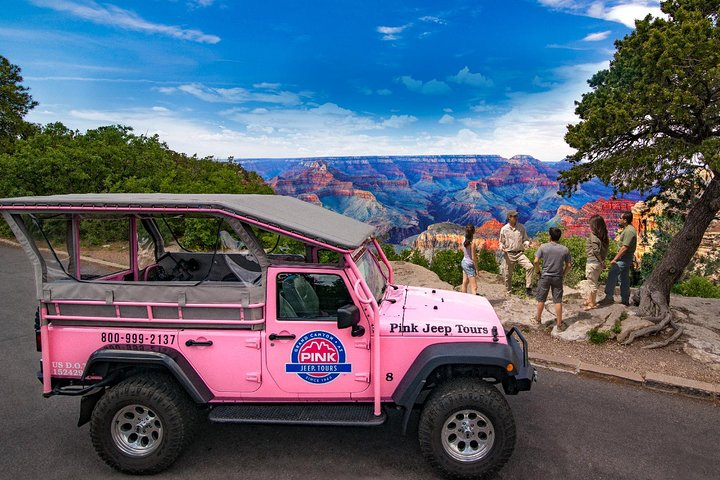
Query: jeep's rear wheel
[467,429]
[141,425]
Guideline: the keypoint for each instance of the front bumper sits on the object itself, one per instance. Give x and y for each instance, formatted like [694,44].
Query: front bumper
[525,373]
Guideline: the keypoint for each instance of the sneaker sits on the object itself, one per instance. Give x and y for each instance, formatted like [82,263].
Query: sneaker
[529,292]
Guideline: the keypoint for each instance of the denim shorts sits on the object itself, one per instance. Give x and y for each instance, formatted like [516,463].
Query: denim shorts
[468,267]
[544,286]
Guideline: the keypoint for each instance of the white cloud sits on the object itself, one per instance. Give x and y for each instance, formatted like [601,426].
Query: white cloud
[236,94]
[483,107]
[625,14]
[535,123]
[433,19]
[384,92]
[200,3]
[432,87]
[267,85]
[446,119]
[114,16]
[328,118]
[464,76]
[596,37]
[399,121]
[325,130]
[391,33]
[620,11]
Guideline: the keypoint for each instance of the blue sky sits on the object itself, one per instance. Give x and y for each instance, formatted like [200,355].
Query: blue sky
[319,77]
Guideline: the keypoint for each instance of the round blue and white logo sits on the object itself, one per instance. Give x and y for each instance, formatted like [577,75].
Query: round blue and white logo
[318,357]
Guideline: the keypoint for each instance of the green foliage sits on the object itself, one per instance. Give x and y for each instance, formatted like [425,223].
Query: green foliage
[274,243]
[389,251]
[667,226]
[446,263]
[597,336]
[56,160]
[576,245]
[200,234]
[617,326]
[112,159]
[416,257]
[650,123]
[650,120]
[697,286]
[486,260]
[15,103]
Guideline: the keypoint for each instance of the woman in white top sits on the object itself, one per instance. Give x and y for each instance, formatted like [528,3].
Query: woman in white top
[469,262]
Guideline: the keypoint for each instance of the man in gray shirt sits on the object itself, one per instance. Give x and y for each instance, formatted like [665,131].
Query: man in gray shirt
[556,263]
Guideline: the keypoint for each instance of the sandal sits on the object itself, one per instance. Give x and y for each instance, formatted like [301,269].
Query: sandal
[590,307]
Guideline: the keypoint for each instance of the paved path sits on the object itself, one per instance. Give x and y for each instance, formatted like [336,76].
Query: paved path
[568,428]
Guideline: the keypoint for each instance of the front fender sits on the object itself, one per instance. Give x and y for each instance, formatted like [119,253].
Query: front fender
[461,353]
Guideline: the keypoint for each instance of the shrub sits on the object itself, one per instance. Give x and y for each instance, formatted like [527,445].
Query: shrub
[597,336]
[666,228]
[389,251]
[416,257]
[446,263]
[697,286]
[486,260]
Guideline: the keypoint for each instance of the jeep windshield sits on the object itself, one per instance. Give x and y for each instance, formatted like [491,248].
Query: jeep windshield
[372,274]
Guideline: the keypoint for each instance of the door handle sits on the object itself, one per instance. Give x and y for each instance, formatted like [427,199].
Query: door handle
[195,343]
[275,336]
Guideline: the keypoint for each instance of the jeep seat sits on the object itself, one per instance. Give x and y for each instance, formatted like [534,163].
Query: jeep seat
[301,296]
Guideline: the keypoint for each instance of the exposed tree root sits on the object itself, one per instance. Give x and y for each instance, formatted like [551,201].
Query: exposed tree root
[667,342]
[654,303]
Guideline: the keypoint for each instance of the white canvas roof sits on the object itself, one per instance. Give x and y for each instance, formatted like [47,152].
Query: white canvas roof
[281,212]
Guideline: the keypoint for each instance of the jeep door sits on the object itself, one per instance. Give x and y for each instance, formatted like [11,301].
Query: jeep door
[306,351]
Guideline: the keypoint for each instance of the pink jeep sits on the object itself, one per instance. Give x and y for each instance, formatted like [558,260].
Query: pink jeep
[290,317]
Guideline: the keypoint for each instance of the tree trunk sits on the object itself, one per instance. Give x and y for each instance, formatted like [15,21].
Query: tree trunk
[654,296]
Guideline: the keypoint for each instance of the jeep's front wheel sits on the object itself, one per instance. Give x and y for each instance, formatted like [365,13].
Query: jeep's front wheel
[141,425]
[467,429]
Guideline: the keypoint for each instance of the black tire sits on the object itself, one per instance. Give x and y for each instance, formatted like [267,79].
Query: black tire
[141,425]
[466,429]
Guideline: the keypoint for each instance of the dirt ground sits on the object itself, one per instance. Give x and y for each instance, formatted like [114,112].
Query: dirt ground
[670,360]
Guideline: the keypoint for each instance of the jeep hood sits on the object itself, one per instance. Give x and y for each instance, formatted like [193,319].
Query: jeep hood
[433,312]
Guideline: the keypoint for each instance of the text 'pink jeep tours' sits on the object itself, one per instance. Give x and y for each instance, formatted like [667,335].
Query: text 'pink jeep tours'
[309,331]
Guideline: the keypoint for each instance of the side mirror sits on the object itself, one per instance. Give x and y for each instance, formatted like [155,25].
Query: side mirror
[348,316]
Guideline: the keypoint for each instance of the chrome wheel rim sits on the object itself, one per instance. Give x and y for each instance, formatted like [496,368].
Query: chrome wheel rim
[467,435]
[137,430]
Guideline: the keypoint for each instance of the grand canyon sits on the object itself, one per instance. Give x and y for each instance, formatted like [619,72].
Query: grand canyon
[423,200]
